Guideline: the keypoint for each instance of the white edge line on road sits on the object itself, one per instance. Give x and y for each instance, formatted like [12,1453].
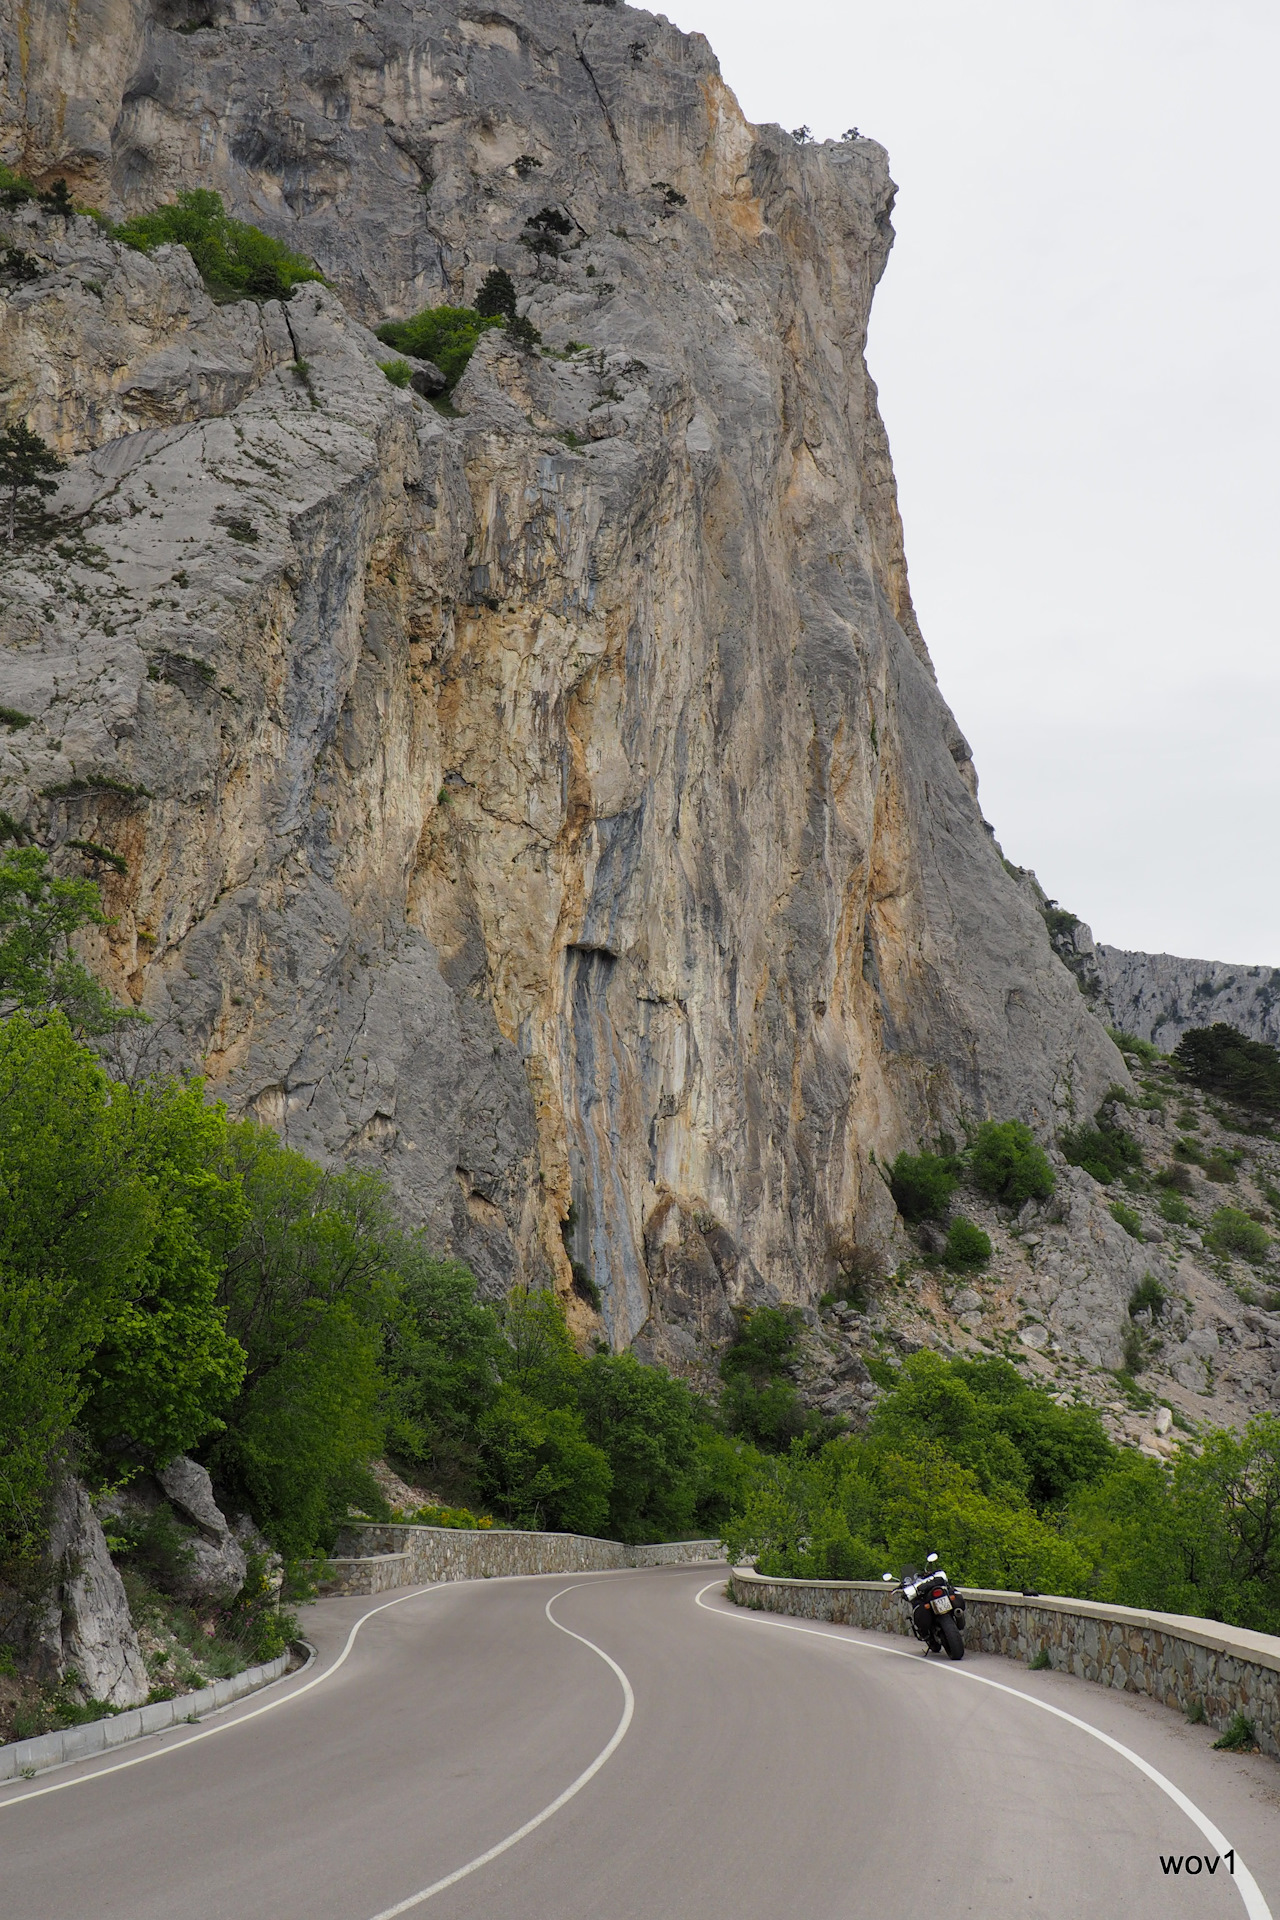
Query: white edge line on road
[576,1786]
[225,1726]
[1249,1890]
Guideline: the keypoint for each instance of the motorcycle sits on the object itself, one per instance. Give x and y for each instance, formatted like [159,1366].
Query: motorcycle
[937,1609]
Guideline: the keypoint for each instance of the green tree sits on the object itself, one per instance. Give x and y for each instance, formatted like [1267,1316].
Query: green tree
[1226,1496]
[1007,1162]
[539,1468]
[109,1214]
[645,1423]
[538,1358]
[26,462]
[310,1285]
[932,1404]
[39,971]
[1221,1060]
[444,1365]
[497,296]
[759,1400]
[166,1368]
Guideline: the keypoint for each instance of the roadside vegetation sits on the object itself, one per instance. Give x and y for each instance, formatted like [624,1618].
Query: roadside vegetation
[1016,1491]
[176,1281]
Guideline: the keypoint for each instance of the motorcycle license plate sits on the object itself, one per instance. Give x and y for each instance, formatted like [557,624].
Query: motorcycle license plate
[942,1604]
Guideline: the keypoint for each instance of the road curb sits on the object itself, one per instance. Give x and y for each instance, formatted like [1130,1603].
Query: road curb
[21,1758]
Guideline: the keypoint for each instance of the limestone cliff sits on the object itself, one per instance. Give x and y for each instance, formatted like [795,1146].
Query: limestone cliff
[1157,996]
[550,802]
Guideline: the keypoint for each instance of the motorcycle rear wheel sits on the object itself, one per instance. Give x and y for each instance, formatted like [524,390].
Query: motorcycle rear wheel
[951,1639]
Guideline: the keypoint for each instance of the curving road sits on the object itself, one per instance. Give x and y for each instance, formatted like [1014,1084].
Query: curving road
[631,1747]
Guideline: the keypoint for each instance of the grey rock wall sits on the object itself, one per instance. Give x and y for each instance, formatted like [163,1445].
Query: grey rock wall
[550,804]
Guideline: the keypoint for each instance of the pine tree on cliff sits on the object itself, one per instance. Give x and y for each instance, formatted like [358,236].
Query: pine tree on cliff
[26,461]
[497,297]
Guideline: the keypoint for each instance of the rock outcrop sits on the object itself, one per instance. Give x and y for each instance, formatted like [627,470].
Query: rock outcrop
[547,799]
[215,1560]
[84,1637]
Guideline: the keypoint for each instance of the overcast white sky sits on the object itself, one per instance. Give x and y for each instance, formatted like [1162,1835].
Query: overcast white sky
[1076,344]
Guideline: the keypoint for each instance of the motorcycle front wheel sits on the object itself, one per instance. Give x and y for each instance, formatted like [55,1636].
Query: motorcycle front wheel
[951,1639]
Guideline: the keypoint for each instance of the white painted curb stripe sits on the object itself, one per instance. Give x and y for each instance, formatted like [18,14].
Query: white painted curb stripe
[619,1734]
[225,1726]
[1249,1890]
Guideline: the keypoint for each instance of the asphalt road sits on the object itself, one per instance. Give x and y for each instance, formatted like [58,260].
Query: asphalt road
[724,1763]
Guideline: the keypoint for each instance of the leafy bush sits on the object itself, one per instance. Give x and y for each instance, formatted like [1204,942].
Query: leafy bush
[1238,1737]
[15,188]
[1149,1297]
[968,1247]
[1127,1217]
[1007,1163]
[1103,1151]
[398,372]
[235,260]
[1177,1178]
[922,1185]
[1221,1060]
[460,1518]
[1175,1210]
[1232,1231]
[447,336]
[539,1466]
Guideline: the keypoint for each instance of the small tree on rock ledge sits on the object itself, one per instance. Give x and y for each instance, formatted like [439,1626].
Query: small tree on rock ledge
[26,461]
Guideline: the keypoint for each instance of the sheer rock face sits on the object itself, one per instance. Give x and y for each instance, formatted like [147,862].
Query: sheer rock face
[550,804]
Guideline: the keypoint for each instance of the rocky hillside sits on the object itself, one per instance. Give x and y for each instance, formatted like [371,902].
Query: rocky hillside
[1155,1296]
[545,798]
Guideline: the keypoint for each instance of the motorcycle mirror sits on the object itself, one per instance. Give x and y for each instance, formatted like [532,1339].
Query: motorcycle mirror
[886,1576]
[929,1559]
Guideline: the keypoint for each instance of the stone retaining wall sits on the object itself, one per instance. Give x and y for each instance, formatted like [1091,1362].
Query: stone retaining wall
[98,1736]
[1178,1660]
[375,1557]
[674,1553]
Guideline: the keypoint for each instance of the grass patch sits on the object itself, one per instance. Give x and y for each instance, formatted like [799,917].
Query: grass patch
[1237,1737]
